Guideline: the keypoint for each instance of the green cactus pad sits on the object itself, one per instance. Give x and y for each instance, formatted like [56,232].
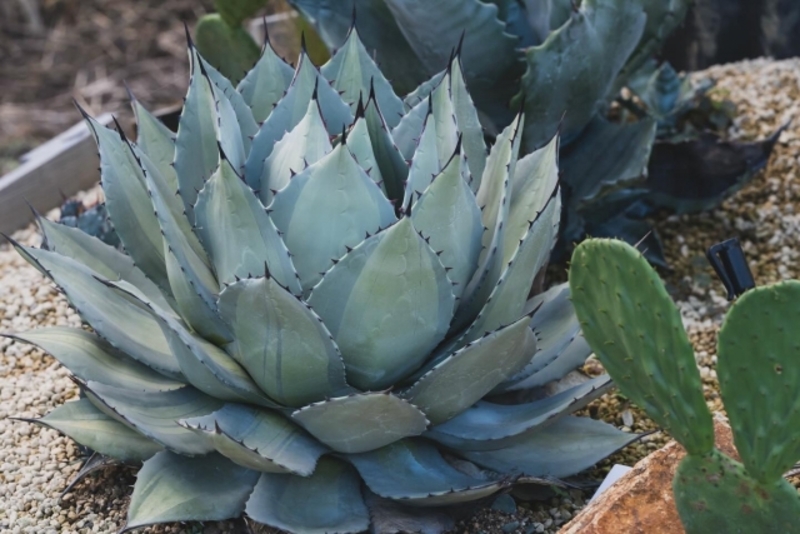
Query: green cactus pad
[713,493]
[228,48]
[759,370]
[636,331]
[235,12]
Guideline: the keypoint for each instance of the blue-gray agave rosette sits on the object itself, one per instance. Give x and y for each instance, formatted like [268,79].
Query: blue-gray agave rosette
[321,286]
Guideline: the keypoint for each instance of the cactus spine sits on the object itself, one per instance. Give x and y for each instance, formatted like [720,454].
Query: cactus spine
[636,331]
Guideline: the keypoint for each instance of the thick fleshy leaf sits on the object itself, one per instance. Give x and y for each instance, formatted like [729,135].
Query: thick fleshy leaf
[360,146]
[243,115]
[508,298]
[259,439]
[607,156]
[327,501]
[129,207]
[265,84]
[563,448]
[448,215]
[415,472]
[282,343]
[394,171]
[103,259]
[469,125]
[83,422]
[353,73]
[422,91]
[388,303]
[362,422]
[170,487]
[155,414]
[239,235]
[569,359]
[425,162]
[90,357]
[493,199]
[326,210]
[155,140]
[196,149]
[126,325]
[407,132]
[229,135]
[290,110]
[205,366]
[582,59]
[486,426]
[465,377]
[303,145]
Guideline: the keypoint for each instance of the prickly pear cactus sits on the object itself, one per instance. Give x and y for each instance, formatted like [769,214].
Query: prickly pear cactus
[228,47]
[635,330]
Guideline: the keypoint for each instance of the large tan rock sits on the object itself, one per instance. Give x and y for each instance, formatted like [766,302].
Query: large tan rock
[641,501]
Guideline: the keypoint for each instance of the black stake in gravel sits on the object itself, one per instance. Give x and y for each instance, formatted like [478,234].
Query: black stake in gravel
[730,264]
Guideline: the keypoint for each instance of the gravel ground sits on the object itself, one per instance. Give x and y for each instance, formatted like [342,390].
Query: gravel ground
[36,464]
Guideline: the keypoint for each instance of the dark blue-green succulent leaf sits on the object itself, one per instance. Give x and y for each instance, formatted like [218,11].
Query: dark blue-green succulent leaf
[327,501]
[155,414]
[581,59]
[554,368]
[388,303]
[467,375]
[566,447]
[237,232]
[264,85]
[90,357]
[391,164]
[126,325]
[354,73]
[487,426]
[326,210]
[362,422]
[282,343]
[415,472]
[606,156]
[156,140]
[170,487]
[84,423]
[519,22]
[262,440]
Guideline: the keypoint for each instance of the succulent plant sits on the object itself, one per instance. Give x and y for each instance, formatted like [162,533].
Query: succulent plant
[92,220]
[313,323]
[637,333]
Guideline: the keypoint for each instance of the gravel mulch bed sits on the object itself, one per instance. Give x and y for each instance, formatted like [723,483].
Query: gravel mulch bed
[36,464]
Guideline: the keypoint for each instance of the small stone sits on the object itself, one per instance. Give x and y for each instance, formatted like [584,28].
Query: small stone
[510,527]
[506,504]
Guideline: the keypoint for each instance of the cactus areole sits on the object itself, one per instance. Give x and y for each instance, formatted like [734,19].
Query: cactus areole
[317,325]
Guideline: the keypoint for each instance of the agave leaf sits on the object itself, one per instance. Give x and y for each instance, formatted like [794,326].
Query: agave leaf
[93,463]
[582,58]
[507,299]
[447,131]
[448,215]
[466,376]
[362,422]
[239,235]
[422,91]
[170,487]
[128,204]
[360,146]
[127,326]
[353,73]
[243,114]
[407,132]
[155,414]
[535,177]
[469,125]
[265,84]
[327,501]
[486,426]
[663,17]
[563,448]
[388,303]
[545,371]
[290,110]
[303,145]
[90,427]
[196,151]
[259,439]
[493,199]
[204,365]
[229,135]
[157,141]
[311,213]
[282,343]
[393,168]
[415,472]
[607,156]
[89,357]
[424,163]
[103,259]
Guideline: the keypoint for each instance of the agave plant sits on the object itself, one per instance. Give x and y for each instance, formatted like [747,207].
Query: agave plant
[313,330]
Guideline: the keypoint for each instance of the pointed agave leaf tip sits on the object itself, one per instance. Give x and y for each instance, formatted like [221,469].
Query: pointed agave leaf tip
[128,90]
[315,94]
[353,18]
[372,90]
[82,111]
[222,155]
[266,32]
[460,45]
[118,126]
[344,135]
[303,47]
[189,41]
[457,151]
[360,111]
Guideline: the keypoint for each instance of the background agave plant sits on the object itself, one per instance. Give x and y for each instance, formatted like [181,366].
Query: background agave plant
[335,350]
